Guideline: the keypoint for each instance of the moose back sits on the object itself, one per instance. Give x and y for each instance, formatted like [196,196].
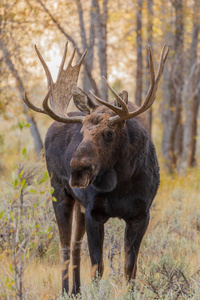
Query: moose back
[102,164]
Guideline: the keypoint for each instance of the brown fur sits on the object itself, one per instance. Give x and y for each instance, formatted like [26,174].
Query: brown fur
[112,171]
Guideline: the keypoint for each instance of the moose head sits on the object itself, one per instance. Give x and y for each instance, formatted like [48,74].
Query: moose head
[103,123]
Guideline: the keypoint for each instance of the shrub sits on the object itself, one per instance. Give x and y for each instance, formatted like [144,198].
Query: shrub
[25,221]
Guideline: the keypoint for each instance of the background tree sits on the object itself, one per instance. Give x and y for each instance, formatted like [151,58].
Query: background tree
[139,72]
[191,96]
[171,115]
[150,42]
[9,41]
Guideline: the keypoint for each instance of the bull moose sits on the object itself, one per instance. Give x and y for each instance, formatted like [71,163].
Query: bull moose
[102,164]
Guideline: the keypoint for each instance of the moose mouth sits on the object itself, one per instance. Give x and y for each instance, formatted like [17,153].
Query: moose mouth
[80,181]
[104,182]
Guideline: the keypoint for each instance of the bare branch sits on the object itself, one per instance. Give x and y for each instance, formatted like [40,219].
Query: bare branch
[94,86]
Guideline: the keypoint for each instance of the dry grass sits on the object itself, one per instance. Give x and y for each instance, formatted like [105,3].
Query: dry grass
[172,242]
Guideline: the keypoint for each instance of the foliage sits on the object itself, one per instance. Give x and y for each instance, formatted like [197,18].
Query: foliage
[25,221]
[168,266]
[165,278]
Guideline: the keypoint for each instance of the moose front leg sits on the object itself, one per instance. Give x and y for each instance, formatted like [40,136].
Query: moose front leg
[134,233]
[78,233]
[63,208]
[95,235]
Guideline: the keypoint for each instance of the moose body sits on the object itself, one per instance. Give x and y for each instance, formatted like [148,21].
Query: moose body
[102,164]
[124,187]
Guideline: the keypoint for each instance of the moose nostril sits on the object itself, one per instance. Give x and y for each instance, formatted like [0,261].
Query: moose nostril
[79,168]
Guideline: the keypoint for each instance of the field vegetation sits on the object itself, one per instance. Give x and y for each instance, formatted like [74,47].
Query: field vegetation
[169,260]
[116,35]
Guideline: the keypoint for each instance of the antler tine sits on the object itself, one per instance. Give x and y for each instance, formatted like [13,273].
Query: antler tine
[150,98]
[48,111]
[82,58]
[116,109]
[80,61]
[118,98]
[48,74]
[152,80]
[144,106]
[53,115]
[120,111]
[166,54]
[61,91]
[33,107]
[161,63]
[63,59]
[163,57]
[71,58]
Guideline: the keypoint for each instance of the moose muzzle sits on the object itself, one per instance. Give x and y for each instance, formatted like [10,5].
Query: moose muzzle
[82,177]
[83,165]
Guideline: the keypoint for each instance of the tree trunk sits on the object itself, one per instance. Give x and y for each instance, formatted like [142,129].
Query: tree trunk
[179,48]
[191,98]
[138,92]
[34,130]
[150,42]
[102,45]
[191,108]
[85,62]
[87,84]
[171,116]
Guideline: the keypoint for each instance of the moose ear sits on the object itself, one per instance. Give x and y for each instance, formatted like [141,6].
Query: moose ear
[82,101]
[124,96]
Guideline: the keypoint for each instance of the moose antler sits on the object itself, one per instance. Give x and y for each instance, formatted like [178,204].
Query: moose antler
[122,110]
[61,91]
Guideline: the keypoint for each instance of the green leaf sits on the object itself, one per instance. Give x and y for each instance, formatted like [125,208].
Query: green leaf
[21,173]
[12,216]
[11,269]
[45,178]
[24,152]
[32,191]
[49,228]
[14,182]
[54,199]
[2,213]
[23,182]
[21,125]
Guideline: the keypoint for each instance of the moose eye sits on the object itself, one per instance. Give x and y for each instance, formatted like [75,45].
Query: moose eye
[108,134]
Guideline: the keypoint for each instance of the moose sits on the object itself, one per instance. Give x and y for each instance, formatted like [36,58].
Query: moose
[102,164]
